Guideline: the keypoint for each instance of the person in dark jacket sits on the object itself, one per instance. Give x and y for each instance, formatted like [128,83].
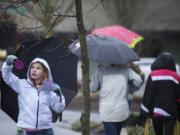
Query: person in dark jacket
[161,100]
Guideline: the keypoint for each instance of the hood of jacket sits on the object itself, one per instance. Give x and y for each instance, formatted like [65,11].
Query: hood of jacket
[44,62]
[165,60]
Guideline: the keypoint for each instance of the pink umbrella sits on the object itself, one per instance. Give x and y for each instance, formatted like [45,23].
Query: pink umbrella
[121,33]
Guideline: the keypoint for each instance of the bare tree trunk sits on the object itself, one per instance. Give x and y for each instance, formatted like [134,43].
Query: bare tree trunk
[85,116]
[47,17]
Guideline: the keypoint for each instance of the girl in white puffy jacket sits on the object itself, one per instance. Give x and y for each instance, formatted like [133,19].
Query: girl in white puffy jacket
[36,97]
[112,82]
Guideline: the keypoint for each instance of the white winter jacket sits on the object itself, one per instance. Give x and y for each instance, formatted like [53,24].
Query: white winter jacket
[34,106]
[112,83]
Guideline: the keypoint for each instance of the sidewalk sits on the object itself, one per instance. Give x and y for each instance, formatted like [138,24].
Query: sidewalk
[69,117]
[8,126]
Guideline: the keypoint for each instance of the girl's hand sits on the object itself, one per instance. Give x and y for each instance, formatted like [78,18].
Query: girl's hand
[10,59]
[48,85]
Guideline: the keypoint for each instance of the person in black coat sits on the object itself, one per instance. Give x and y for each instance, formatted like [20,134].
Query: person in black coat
[161,100]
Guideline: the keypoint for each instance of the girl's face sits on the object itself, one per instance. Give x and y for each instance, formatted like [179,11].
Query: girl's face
[36,72]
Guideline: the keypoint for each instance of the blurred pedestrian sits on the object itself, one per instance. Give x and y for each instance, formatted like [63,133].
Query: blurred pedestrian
[112,82]
[37,95]
[161,100]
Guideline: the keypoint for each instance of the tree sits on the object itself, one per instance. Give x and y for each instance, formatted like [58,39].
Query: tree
[47,12]
[42,15]
[85,116]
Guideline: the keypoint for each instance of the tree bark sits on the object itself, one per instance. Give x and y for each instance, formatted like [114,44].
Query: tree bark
[47,18]
[85,116]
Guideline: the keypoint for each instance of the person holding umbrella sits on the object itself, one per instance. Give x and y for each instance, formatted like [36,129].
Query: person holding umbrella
[161,100]
[37,95]
[113,82]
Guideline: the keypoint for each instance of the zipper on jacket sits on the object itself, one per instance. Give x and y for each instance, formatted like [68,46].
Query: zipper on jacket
[37,114]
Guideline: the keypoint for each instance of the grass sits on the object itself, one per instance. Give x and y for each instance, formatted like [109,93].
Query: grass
[132,126]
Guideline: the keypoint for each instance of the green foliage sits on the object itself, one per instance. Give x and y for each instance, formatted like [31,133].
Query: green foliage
[138,130]
[97,127]
[134,129]
[133,119]
[14,10]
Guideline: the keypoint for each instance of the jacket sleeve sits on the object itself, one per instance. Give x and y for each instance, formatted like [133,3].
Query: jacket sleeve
[95,82]
[10,79]
[137,69]
[57,102]
[134,80]
[146,104]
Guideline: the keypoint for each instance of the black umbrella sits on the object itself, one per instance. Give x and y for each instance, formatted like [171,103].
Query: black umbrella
[63,66]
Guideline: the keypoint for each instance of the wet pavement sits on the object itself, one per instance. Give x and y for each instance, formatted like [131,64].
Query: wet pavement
[8,126]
